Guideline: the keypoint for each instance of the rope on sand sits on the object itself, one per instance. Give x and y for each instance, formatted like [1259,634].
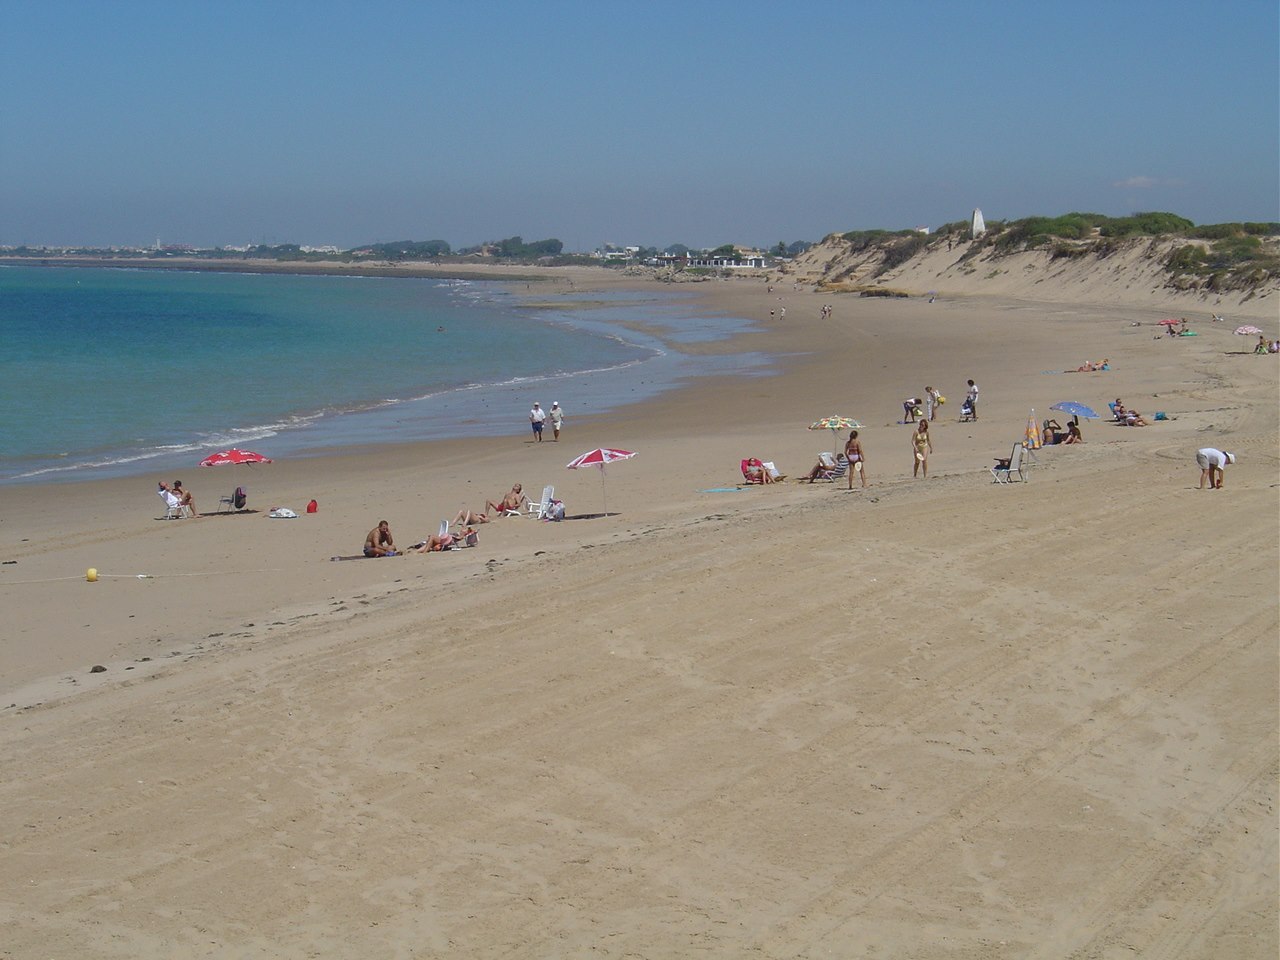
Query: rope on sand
[91,575]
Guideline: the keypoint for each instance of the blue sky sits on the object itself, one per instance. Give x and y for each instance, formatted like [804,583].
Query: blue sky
[695,122]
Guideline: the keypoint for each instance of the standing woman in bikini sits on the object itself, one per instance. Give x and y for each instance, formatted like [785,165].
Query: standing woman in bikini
[857,460]
[922,446]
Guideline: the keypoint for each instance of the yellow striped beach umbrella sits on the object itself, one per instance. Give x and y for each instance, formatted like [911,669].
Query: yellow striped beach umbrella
[835,425]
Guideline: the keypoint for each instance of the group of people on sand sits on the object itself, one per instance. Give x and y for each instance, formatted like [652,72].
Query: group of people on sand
[381,543]
[1054,434]
[175,495]
[1130,418]
[926,407]
[538,419]
[855,457]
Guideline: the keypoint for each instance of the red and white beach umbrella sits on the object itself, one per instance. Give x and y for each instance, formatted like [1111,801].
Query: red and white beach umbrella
[598,458]
[233,456]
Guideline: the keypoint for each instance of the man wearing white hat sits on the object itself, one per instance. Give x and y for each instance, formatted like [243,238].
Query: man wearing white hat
[1211,462]
[557,418]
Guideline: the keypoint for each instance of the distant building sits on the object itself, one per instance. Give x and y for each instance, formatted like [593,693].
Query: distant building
[746,262]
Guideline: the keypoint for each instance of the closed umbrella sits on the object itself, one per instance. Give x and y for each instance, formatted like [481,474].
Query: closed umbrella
[598,458]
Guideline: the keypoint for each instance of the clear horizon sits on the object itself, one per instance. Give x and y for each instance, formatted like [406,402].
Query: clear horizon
[322,123]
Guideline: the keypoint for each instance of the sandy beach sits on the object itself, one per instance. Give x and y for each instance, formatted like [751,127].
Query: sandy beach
[933,718]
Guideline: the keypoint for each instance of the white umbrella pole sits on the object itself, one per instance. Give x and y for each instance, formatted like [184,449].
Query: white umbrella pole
[603,493]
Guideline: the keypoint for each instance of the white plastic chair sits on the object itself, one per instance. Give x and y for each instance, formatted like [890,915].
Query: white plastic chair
[173,506]
[539,510]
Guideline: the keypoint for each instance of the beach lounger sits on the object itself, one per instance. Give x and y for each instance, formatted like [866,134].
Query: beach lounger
[539,510]
[837,471]
[1005,469]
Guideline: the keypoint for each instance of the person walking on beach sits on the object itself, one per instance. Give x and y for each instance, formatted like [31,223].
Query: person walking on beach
[536,418]
[971,396]
[1211,462]
[557,419]
[921,446]
[857,459]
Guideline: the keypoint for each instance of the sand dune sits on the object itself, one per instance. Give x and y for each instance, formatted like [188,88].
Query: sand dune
[940,718]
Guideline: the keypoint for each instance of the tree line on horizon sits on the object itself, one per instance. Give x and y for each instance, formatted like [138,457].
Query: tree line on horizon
[1230,243]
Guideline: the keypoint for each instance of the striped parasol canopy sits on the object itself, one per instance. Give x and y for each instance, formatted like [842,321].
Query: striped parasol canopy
[835,425]
[598,458]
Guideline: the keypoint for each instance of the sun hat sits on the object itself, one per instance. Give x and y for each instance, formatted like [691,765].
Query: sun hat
[1231,457]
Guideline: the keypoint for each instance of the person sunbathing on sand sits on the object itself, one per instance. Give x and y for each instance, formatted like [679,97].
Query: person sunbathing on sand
[513,500]
[467,517]
[435,543]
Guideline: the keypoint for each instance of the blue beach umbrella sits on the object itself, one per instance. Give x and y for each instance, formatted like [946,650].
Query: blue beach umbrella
[1076,409]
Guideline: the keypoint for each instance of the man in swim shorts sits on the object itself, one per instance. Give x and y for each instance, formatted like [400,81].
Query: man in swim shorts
[514,500]
[379,542]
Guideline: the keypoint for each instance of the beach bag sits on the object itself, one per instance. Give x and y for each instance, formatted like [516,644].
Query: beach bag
[239,498]
[471,538]
[556,511]
[312,507]
[941,400]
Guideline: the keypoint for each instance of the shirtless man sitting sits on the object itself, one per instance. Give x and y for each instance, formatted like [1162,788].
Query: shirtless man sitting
[513,500]
[379,542]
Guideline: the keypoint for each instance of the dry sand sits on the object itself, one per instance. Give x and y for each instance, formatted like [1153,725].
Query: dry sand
[935,718]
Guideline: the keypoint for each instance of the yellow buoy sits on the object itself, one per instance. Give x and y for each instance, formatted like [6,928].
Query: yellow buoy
[91,574]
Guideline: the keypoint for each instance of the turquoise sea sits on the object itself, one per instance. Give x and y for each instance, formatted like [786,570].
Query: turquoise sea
[108,372]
